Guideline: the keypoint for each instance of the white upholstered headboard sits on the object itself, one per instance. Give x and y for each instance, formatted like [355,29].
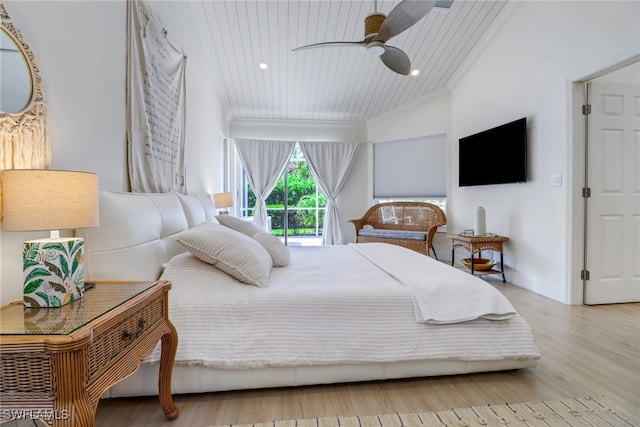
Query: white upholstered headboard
[133,239]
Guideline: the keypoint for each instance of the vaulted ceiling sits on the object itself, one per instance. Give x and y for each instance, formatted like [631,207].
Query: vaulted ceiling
[331,83]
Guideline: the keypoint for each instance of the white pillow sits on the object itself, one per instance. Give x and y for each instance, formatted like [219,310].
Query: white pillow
[279,252]
[234,253]
[244,227]
[196,209]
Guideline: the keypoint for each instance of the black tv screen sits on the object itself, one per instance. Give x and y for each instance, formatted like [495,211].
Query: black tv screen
[494,156]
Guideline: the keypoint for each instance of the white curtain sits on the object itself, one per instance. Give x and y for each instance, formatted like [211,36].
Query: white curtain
[263,161]
[330,163]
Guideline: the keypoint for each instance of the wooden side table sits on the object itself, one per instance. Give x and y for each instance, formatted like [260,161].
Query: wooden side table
[55,363]
[477,244]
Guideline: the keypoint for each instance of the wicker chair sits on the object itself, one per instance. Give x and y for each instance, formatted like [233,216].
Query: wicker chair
[409,224]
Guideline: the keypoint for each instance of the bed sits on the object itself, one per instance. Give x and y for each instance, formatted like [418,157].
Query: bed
[315,315]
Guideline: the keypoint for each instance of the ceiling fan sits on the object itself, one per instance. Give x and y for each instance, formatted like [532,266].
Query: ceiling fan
[379,28]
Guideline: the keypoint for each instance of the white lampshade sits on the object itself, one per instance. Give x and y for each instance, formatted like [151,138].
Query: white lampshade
[223,200]
[44,199]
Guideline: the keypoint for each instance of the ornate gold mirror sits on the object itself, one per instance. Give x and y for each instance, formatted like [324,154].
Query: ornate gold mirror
[24,128]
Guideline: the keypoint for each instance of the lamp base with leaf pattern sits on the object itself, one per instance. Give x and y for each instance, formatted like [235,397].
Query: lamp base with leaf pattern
[53,271]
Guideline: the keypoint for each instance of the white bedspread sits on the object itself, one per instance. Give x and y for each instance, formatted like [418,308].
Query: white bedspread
[331,305]
[440,293]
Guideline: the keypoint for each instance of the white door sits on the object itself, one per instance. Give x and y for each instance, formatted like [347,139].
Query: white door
[613,210]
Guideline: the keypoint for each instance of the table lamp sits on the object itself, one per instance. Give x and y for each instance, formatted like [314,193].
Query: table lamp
[43,199]
[223,202]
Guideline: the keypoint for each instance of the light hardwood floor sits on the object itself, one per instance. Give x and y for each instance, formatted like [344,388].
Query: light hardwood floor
[586,351]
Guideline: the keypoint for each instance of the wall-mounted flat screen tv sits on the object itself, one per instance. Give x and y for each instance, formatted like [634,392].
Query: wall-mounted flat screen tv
[494,156]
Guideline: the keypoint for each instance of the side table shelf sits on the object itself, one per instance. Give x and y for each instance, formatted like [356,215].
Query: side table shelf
[477,244]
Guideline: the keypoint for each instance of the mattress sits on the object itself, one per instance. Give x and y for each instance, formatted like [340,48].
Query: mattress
[330,306]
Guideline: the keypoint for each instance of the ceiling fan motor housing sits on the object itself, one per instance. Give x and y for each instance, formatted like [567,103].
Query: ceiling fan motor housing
[372,24]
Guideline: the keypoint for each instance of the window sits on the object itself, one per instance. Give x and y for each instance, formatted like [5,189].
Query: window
[295,205]
[411,169]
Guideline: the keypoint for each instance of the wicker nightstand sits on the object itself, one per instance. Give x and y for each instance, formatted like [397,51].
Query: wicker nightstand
[55,363]
[475,244]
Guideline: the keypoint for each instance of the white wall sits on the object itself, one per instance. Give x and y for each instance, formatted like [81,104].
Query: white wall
[80,49]
[298,130]
[526,68]
[430,116]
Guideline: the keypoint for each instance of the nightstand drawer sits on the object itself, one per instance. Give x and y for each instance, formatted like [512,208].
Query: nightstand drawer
[127,330]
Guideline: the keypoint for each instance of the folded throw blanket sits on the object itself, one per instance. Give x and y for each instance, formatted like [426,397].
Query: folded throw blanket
[441,293]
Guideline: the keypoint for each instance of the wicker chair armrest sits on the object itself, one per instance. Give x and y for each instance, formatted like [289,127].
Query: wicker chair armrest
[431,232]
[358,223]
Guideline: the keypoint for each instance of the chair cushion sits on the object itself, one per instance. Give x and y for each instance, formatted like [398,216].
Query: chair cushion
[393,234]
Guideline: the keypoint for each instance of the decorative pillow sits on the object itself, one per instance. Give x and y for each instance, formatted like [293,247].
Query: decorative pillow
[209,209]
[234,253]
[197,209]
[279,252]
[244,227]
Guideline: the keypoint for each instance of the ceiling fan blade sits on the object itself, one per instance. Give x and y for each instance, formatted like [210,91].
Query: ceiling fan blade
[403,16]
[444,4]
[330,44]
[396,60]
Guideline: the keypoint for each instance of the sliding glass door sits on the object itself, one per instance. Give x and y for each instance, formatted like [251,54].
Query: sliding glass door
[295,206]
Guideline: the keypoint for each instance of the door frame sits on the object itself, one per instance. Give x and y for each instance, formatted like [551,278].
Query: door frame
[579,173]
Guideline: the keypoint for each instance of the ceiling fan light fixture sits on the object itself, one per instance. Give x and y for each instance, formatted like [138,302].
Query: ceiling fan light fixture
[415,72]
[263,65]
[375,48]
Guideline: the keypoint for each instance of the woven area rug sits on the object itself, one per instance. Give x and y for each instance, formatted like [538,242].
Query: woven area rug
[594,412]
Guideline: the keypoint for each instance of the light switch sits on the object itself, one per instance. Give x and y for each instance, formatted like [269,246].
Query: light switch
[556,180]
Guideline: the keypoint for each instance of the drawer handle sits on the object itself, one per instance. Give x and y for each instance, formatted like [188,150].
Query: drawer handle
[133,335]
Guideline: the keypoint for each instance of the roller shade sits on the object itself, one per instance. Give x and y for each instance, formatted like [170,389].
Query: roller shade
[415,167]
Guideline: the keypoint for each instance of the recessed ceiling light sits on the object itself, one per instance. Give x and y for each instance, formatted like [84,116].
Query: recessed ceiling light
[263,66]
[415,72]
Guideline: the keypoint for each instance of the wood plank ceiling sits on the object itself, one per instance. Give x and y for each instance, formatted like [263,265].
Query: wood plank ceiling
[332,83]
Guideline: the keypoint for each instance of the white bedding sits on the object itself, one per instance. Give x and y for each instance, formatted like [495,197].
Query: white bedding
[441,294]
[331,306]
